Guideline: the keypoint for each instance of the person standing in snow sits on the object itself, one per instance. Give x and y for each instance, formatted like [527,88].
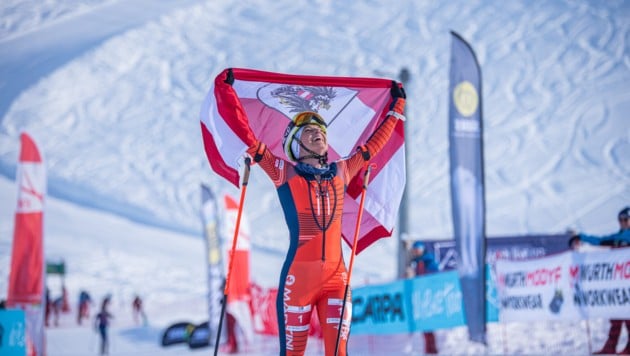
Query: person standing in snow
[138,311]
[422,263]
[101,325]
[311,193]
[83,311]
[620,239]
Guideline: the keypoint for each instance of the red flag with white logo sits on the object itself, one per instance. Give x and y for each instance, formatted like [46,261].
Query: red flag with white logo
[352,107]
[26,277]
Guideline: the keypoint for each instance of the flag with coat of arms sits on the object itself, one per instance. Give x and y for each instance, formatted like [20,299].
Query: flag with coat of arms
[353,108]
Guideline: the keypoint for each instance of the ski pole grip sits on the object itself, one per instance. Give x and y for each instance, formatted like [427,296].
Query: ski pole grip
[248,162]
[366,176]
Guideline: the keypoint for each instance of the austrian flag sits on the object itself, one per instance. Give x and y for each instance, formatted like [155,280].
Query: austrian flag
[352,107]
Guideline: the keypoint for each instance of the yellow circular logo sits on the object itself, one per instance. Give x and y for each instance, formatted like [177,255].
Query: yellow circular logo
[465,98]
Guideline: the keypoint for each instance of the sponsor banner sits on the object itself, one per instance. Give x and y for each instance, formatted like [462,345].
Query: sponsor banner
[568,286]
[12,332]
[522,247]
[211,220]
[238,293]
[436,302]
[423,303]
[265,317]
[264,309]
[26,274]
[465,125]
[601,283]
[534,290]
[381,309]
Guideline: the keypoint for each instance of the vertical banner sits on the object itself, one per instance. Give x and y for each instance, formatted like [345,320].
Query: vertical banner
[239,294]
[210,221]
[467,181]
[26,277]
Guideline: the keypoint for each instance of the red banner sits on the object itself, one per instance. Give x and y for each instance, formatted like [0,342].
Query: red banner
[238,297]
[26,277]
[265,312]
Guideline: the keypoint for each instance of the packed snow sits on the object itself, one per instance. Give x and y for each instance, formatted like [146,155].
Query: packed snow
[112,89]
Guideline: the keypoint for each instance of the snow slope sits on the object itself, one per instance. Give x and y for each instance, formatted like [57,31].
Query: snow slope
[112,89]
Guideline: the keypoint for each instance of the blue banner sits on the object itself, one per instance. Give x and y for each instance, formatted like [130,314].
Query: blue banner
[429,302]
[467,182]
[381,309]
[436,301]
[12,332]
[516,248]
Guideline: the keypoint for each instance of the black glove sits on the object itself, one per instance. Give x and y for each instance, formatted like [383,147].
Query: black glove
[398,100]
[397,91]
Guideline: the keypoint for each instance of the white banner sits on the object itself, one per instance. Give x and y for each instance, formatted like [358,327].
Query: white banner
[601,282]
[567,286]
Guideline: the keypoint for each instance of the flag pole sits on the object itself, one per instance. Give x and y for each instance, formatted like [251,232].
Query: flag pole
[366,178]
[229,271]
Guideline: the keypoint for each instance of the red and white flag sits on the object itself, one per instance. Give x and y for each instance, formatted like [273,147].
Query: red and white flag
[26,277]
[352,107]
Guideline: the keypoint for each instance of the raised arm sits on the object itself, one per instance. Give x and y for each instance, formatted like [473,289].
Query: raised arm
[621,238]
[274,167]
[383,133]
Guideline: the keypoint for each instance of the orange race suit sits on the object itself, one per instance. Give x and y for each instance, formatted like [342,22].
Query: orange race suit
[314,274]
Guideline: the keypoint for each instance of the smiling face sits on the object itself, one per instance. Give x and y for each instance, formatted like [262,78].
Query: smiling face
[314,138]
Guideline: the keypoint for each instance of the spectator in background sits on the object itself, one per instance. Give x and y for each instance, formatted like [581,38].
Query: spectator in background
[56,307]
[47,307]
[423,262]
[83,311]
[616,240]
[138,312]
[65,305]
[574,242]
[101,324]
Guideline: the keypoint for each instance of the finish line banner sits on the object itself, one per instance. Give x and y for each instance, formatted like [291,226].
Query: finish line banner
[568,286]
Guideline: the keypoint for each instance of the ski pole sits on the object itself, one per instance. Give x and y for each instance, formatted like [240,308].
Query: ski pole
[366,177]
[229,271]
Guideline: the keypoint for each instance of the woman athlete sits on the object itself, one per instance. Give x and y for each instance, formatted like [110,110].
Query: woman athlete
[311,193]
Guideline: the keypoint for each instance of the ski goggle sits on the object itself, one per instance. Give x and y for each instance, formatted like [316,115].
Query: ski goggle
[308,117]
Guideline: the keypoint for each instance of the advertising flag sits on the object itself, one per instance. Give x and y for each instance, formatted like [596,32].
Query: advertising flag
[26,277]
[210,219]
[565,286]
[238,295]
[467,181]
[352,107]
